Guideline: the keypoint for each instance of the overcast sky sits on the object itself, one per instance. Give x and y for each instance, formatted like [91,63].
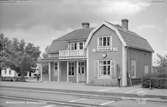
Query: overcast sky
[41,21]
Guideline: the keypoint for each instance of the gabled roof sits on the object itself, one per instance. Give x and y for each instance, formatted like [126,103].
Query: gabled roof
[129,38]
[133,40]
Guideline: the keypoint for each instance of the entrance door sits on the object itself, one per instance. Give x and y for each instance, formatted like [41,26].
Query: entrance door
[82,72]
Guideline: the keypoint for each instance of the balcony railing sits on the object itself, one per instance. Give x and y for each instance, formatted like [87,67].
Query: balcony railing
[71,53]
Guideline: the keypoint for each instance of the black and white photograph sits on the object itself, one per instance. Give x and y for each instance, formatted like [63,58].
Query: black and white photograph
[83,53]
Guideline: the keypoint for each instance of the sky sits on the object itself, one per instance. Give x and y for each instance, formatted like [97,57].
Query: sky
[42,21]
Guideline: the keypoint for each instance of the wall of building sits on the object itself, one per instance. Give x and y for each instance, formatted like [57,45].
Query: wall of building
[142,58]
[94,55]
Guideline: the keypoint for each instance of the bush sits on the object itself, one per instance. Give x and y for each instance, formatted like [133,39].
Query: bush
[155,80]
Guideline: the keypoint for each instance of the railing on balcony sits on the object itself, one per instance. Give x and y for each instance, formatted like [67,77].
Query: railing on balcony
[71,53]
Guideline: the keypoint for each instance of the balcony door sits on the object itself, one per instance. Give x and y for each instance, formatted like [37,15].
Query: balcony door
[82,71]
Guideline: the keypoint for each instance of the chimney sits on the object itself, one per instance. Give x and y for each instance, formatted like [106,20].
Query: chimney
[85,25]
[124,24]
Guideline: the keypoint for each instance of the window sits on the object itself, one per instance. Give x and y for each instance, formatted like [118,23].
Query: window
[81,45]
[146,69]
[10,72]
[105,68]
[133,69]
[104,42]
[81,69]
[56,65]
[71,68]
[73,46]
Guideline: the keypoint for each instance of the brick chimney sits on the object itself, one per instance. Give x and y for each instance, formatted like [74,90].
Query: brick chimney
[85,25]
[124,24]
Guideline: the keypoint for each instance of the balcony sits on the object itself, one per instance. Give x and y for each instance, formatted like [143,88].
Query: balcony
[71,54]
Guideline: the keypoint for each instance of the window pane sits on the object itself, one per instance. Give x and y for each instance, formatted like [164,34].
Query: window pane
[104,41]
[108,41]
[75,46]
[81,45]
[104,72]
[104,62]
[108,62]
[100,41]
[108,70]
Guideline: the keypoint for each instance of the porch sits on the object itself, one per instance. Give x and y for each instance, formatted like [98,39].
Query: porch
[67,71]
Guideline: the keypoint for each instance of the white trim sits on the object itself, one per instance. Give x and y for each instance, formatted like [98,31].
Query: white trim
[108,25]
[87,66]
[49,69]
[124,66]
[58,70]
[77,74]
[67,71]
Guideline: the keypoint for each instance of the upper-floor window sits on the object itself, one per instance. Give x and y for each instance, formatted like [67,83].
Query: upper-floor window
[81,45]
[76,46]
[73,46]
[104,42]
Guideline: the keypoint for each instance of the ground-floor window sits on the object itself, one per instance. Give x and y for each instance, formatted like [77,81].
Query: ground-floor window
[71,69]
[146,69]
[81,69]
[104,68]
[133,69]
[56,65]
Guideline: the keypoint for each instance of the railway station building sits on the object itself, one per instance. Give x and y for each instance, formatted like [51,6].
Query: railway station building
[99,56]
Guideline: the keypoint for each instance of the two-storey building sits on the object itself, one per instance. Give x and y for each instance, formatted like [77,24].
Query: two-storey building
[99,55]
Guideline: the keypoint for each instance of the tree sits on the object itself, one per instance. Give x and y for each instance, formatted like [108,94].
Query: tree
[18,55]
[45,65]
[162,63]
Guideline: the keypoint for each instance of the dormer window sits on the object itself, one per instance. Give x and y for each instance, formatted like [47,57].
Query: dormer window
[81,45]
[104,42]
[76,46]
[73,46]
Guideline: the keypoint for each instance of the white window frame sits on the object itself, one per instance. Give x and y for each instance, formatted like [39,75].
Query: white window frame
[76,45]
[79,44]
[133,67]
[71,65]
[73,46]
[104,45]
[101,67]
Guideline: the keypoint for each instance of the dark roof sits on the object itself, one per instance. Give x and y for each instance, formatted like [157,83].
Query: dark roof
[61,43]
[56,45]
[79,34]
[132,39]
